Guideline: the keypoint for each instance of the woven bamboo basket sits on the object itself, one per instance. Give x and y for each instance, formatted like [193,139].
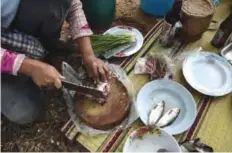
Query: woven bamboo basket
[196,18]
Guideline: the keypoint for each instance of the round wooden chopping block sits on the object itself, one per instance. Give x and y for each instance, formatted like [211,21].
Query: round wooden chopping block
[108,115]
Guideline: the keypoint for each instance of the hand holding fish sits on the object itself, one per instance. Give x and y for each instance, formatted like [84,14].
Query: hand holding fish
[96,68]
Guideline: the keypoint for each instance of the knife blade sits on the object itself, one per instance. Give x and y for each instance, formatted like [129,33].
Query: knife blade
[83,89]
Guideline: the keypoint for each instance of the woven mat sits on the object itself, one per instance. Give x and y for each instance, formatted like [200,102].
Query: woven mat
[214,118]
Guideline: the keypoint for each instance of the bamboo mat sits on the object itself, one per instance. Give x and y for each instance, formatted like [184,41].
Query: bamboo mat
[214,118]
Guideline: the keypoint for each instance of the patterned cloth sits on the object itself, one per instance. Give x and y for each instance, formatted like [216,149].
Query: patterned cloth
[11,62]
[22,43]
[18,45]
[77,20]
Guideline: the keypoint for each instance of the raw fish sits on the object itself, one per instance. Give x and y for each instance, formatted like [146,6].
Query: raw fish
[168,117]
[156,113]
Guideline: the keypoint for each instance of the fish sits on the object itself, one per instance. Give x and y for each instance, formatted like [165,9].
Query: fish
[156,113]
[195,145]
[168,118]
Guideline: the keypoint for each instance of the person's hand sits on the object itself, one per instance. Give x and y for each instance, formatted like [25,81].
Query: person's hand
[42,74]
[96,68]
[45,75]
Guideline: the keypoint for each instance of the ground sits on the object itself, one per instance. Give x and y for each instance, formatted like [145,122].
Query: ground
[45,135]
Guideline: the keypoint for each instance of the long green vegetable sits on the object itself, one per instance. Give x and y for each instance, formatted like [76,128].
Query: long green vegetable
[104,43]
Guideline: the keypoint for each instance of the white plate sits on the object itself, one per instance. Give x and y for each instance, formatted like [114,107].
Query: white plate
[147,140]
[174,95]
[136,46]
[208,73]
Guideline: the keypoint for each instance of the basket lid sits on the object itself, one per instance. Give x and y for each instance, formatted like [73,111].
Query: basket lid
[198,8]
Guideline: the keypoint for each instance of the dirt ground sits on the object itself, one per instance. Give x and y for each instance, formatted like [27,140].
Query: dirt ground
[45,135]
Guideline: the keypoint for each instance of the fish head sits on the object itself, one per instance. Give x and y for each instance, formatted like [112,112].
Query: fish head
[176,110]
[162,103]
[173,110]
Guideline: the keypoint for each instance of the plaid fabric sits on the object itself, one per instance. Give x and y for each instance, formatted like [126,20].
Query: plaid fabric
[22,43]
[77,20]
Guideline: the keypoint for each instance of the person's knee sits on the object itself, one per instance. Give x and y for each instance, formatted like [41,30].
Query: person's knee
[21,99]
[24,115]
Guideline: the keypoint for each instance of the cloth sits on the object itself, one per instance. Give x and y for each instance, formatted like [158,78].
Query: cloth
[77,20]
[15,46]
[8,11]
[22,43]
[11,62]
[21,99]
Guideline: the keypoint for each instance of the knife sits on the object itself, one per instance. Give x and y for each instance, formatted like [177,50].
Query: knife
[83,89]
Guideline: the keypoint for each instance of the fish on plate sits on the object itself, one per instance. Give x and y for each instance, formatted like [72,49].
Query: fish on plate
[162,150]
[156,113]
[168,118]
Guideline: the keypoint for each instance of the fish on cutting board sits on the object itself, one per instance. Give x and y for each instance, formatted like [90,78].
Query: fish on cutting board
[156,113]
[168,118]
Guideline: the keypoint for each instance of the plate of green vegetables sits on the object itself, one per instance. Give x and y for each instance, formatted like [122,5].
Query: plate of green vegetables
[120,41]
[136,39]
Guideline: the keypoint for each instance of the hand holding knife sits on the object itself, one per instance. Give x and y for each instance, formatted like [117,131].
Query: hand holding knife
[83,89]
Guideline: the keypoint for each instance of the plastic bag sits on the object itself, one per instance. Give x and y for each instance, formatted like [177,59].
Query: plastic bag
[71,75]
[157,66]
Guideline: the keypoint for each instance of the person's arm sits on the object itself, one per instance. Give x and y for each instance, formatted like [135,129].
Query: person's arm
[81,31]
[41,73]
[77,21]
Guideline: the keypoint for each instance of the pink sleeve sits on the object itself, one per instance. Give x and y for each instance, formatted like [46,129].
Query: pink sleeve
[10,61]
[77,20]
